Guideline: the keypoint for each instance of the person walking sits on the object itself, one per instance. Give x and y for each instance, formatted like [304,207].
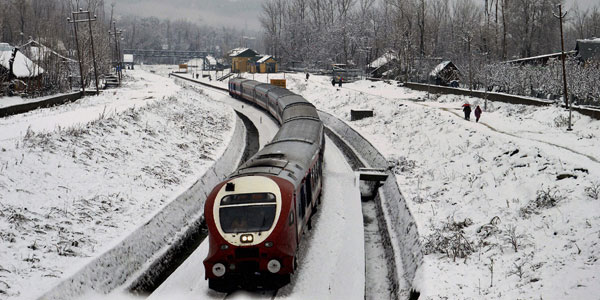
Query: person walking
[333,81]
[467,111]
[477,113]
[307,75]
[340,83]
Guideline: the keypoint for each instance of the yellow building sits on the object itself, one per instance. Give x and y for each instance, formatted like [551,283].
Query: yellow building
[262,64]
[240,58]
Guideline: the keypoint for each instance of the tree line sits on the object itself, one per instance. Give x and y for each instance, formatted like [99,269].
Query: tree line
[421,33]
[45,21]
[346,31]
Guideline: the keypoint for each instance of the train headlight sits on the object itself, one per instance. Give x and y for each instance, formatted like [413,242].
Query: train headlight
[246,238]
[218,269]
[269,244]
[224,247]
[274,266]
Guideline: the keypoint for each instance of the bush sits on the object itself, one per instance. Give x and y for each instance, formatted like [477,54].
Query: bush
[449,239]
[593,191]
[545,198]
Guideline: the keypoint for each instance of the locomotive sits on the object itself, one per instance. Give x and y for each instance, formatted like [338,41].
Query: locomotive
[257,216]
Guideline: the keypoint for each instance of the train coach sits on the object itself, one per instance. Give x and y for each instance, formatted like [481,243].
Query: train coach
[257,216]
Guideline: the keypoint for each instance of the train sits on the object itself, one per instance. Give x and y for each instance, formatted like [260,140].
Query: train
[257,216]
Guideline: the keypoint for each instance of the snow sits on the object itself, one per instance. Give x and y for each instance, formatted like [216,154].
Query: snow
[64,169]
[237,51]
[452,171]
[23,67]
[384,59]
[264,59]
[76,178]
[439,68]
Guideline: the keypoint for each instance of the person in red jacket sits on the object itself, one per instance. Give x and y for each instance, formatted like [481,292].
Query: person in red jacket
[477,113]
[467,111]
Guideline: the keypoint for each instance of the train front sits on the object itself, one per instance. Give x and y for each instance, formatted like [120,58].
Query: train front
[251,237]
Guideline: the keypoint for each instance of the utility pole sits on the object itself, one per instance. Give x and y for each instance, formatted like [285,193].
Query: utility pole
[76,20]
[118,65]
[78,53]
[560,17]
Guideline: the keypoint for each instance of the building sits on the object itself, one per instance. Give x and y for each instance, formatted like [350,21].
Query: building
[444,73]
[588,50]
[22,68]
[262,64]
[240,58]
[539,59]
[380,66]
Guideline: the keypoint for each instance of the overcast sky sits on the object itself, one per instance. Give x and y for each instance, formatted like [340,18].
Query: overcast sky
[231,13]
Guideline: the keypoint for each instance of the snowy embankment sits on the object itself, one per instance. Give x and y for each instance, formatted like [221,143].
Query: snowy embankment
[76,179]
[507,207]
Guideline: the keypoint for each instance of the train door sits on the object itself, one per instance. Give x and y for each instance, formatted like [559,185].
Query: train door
[309,187]
[301,208]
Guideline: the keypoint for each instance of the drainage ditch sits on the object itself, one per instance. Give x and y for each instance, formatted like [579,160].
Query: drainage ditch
[195,234]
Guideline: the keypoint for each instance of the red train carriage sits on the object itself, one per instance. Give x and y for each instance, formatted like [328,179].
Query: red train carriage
[256,217]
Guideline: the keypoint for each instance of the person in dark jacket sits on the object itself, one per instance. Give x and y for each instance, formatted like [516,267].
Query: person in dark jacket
[477,113]
[467,111]
[341,79]
[307,75]
[333,81]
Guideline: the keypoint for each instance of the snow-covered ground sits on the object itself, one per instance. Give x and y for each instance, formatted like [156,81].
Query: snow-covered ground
[496,220]
[77,178]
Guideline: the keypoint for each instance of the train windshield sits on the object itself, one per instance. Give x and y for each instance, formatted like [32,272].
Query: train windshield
[248,198]
[247,218]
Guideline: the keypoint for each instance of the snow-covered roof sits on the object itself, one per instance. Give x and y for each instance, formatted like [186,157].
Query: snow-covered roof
[23,67]
[439,68]
[211,60]
[588,49]
[264,59]
[238,51]
[383,60]
[39,51]
[542,57]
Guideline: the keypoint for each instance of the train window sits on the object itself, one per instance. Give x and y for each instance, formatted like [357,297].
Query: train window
[234,199]
[247,218]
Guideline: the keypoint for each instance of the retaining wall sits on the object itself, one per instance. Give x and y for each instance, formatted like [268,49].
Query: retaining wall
[129,257]
[43,102]
[403,237]
[514,99]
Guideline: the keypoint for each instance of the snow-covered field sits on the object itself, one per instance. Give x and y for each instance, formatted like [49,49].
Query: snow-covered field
[496,219]
[77,178]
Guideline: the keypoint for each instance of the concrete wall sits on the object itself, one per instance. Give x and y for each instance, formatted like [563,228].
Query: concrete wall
[134,253]
[514,99]
[43,102]
[403,240]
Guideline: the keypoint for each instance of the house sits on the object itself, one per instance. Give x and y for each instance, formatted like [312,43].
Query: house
[588,50]
[59,69]
[22,67]
[444,73]
[380,66]
[262,64]
[240,58]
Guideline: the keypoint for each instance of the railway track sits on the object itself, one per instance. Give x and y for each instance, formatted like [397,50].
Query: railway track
[355,163]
